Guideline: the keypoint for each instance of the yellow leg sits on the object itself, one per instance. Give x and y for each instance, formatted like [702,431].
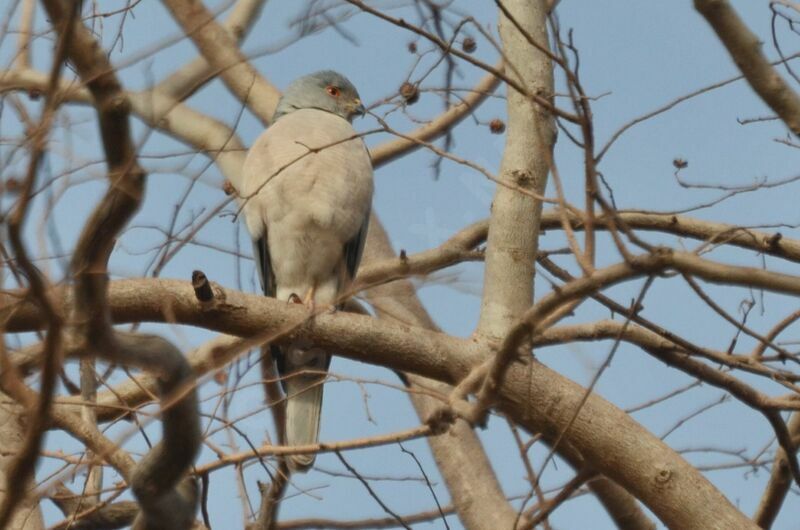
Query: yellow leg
[309,299]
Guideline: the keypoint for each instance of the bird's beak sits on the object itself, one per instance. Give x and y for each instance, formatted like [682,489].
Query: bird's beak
[357,108]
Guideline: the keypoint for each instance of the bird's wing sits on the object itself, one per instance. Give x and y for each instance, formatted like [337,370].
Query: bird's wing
[264,264]
[354,248]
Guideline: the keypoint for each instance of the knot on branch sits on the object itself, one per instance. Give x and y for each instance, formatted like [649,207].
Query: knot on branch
[202,287]
[663,477]
[11,185]
[653,262]
[227,188]
[441,419]
[773,241]
[522,177]
[205,291]
[404,264]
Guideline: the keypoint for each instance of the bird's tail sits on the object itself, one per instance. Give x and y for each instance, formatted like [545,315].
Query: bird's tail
[303,384]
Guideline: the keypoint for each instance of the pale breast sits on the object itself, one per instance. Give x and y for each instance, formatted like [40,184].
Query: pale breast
[308,180]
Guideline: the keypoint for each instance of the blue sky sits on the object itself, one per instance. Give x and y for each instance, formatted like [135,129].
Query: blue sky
[635,57]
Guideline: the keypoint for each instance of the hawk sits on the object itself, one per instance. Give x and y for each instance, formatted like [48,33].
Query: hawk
[307,191]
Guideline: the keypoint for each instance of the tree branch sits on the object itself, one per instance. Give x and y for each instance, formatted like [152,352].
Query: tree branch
[220,49]
[182,83]
[780,480]
[390,151]
[514,225]
[459,453]
[603,434]
[164,502]
[745,49]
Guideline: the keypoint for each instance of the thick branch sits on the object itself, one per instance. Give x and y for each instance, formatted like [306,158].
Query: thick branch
[154,481]
[28,513]
[514,225]
[459,453]
[745,49]
[182,83]
[220,49]
[617,446]
[780,480]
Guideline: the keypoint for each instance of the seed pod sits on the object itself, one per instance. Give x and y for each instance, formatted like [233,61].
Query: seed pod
[11,185]
[469,45]
[409,93]
[497,126]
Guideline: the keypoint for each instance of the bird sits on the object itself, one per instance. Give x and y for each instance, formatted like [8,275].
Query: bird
[307,195]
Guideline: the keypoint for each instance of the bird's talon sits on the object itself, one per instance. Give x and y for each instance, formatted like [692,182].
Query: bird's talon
[294,299]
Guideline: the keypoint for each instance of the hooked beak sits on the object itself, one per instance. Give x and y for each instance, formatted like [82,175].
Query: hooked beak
[357,109]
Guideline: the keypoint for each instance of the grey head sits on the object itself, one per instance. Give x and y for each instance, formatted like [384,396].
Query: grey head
[324,90]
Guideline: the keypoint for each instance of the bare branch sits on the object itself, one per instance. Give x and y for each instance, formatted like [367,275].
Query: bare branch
[22,468]
[25,36]
[745,49]
[186,80]
[221,51]
[479,503]
[164,502]
[780,481]
[604,434]
[390,151]
[514,225]
[28,513]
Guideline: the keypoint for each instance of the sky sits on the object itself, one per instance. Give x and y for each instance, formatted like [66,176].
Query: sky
[634,57]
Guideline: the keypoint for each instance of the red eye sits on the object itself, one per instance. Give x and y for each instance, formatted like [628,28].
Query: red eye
[333,91]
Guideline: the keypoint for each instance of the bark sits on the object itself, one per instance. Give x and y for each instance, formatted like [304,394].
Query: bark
[745,49]
[459,453]
[514,226]
[28,515]
[534,396]
[220,49]
[475,492]
[780,481]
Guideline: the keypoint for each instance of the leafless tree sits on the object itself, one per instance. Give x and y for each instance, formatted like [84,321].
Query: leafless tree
[86,357]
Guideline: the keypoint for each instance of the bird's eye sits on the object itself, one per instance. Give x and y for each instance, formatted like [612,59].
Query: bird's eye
[333,91]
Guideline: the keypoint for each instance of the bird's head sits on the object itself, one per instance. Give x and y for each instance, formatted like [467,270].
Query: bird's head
[325,90]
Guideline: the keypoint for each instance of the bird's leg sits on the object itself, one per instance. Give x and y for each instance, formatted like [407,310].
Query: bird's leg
[309,299]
